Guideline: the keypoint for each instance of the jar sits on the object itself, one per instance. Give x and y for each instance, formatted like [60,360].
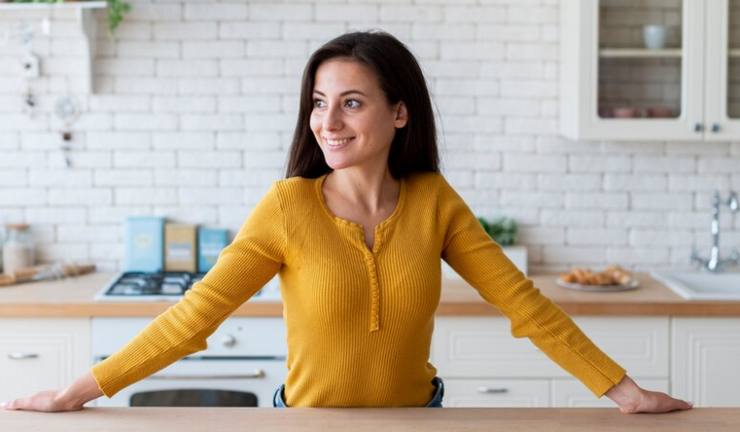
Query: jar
[18,250]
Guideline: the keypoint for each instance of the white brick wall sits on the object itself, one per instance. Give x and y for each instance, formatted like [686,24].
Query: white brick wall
[195,104]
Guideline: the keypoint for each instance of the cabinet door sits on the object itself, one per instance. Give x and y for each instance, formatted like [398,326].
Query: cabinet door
[705,358]
[41,354]
[617,86]
[722,70]
[496,393]
[467,347]
[572,394]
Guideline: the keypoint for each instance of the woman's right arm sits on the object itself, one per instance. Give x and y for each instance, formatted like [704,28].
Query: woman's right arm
[243,267]
[72,398]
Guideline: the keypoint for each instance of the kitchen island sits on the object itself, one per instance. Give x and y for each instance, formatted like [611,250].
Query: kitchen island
[358,420]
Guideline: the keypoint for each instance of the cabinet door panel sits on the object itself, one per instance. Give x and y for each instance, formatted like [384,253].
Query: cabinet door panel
[41,354]
[706,355]
[483,347]
[722,68]
[496,393]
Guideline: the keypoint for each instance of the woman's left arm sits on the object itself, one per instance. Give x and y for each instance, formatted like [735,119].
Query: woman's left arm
[482,263]
[632,399]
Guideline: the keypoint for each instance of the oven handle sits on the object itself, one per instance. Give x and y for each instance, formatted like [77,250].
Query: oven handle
[258,373]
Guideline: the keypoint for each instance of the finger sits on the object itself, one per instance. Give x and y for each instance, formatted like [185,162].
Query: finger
[667,404]
[679,404]
[13,405]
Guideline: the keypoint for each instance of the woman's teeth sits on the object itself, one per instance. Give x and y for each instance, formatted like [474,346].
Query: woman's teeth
[337,142]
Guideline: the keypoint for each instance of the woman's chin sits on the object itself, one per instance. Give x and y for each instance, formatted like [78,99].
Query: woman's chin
[337,164]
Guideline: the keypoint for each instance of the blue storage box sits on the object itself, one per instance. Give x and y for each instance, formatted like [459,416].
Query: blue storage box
[144,244]
[211,242]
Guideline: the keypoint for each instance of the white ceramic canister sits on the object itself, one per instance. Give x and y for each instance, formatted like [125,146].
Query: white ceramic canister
[18,249]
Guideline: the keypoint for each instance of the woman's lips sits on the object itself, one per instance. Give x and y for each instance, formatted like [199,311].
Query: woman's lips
[337,144]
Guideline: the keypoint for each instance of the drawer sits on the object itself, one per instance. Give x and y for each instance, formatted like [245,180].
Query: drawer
[467,347]
[571,393]
[496,393]
[237,336]
[41,354]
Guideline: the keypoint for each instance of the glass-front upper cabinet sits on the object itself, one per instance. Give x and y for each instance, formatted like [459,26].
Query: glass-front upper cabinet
[723,70]
[650,69]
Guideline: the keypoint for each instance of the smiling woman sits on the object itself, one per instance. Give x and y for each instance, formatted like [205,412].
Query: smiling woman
[356,233]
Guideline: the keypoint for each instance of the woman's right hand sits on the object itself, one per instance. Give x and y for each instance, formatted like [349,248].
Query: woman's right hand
[48,401]
[73,398]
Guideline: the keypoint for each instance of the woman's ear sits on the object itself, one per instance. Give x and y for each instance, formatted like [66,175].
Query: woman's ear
[402,116]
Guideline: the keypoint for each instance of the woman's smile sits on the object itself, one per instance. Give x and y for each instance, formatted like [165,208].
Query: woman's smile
[335,144]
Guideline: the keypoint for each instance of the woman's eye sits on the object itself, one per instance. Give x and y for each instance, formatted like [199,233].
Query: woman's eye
[318,103]
[352,103]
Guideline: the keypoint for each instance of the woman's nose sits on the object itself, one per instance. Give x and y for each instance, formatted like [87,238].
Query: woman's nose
[332,119]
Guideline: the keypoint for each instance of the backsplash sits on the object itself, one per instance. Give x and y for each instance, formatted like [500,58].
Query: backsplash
[195,103]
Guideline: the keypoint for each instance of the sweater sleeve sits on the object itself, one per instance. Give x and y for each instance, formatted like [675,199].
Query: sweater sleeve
[242,268]
[469,250]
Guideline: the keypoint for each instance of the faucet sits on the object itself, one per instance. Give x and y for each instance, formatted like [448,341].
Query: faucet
[714,263]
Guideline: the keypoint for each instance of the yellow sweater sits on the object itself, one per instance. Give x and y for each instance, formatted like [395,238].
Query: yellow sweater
[359,322]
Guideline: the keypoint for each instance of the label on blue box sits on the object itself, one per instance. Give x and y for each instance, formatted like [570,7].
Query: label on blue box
[144,244]
[211,241]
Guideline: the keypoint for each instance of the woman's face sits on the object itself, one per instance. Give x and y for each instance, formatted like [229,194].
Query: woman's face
[351,118]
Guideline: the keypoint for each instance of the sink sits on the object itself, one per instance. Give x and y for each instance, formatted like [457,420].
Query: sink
[701,286]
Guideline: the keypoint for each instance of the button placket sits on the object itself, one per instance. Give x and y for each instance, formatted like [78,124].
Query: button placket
[374,292]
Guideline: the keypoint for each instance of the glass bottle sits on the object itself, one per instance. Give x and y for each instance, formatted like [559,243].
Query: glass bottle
[18,249]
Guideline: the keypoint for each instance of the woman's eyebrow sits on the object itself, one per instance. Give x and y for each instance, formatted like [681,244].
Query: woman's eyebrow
[343,93]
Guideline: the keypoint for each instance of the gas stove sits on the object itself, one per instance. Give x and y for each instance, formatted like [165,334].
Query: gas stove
[165,286]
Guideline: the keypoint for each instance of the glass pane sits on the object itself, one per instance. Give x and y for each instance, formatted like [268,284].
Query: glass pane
[193,398]
[733,71]
[639,59]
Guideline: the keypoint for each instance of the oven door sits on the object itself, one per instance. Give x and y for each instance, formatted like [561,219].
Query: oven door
[206,382]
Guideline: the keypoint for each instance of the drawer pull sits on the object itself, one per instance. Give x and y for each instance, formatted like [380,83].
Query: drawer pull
[258,373]
[492,390]
[22,356]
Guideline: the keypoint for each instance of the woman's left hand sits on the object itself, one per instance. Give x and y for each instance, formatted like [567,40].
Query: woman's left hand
[632,399]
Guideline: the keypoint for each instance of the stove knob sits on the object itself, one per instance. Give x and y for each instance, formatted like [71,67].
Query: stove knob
[228,341]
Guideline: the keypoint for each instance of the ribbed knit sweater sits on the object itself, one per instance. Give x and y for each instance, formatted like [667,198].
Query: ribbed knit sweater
[359,321]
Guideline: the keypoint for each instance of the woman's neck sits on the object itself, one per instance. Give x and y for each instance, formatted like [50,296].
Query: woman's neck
[372,190]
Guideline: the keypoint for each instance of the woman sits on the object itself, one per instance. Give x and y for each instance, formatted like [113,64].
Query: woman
[356,233]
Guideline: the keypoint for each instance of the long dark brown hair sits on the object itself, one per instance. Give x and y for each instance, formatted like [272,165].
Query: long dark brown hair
[414,147]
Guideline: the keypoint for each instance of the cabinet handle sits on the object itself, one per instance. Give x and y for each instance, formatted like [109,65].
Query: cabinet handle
[698,127]
[715,127]
[492,390]
[22,356]
[258,373]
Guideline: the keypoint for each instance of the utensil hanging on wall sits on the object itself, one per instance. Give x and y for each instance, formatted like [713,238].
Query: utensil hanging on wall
[67,109]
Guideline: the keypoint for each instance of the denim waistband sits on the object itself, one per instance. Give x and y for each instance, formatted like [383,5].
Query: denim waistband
[278,399]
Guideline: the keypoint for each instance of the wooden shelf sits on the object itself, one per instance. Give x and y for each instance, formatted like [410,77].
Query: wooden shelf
[735,52]
[65,5]
[639,53]
[85,19]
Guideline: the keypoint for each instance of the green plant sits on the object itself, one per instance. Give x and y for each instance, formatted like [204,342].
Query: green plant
[116,10]
[502,229]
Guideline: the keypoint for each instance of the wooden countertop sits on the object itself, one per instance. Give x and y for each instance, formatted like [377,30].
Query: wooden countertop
[74,297]
[374,419]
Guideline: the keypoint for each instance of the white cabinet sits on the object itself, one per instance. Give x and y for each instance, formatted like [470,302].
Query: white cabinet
[496,393]
[486,366]
[613,87]
[41,354]
[706,360]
